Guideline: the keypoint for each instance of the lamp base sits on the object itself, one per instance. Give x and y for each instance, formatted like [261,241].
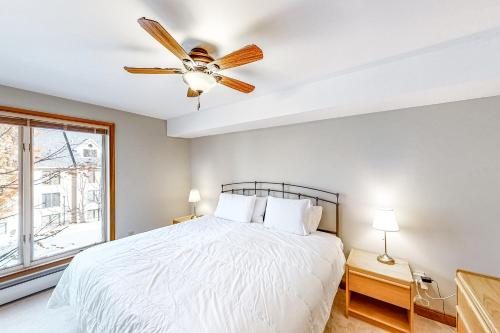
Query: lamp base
[385,259]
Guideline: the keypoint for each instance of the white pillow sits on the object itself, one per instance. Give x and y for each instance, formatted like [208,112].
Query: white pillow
[289,215]
[235,207]
[315,213]
[259,209]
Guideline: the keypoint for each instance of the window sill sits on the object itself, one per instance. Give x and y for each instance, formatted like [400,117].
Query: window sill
[35,269]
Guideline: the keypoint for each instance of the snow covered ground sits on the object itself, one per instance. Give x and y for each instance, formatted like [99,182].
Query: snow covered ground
[69,237]
[54,241]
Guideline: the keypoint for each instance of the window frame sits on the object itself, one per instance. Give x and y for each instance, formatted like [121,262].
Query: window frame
[25,211]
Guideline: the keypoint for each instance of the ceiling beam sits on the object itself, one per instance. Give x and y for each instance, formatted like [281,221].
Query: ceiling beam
[466,69]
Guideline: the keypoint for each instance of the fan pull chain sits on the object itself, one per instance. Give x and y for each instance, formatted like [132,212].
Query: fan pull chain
[199,102]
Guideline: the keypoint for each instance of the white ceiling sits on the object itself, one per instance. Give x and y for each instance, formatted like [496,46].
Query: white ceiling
[76,49]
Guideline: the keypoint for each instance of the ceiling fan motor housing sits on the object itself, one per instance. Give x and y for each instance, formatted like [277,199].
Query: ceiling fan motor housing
[200,55]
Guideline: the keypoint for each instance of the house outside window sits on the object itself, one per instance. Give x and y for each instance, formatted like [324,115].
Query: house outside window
[51,200]
[93,214]
[51,178]
[51,219]
[55,191]
[93,195]
[89,153]
[92,178]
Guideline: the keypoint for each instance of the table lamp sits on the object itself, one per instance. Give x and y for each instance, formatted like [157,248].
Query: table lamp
[385,220]
[194,197]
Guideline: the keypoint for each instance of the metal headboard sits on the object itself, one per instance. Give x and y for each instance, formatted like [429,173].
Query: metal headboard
[246,188]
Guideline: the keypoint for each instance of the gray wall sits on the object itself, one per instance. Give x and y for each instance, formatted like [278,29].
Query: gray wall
[152,170]
[437,166]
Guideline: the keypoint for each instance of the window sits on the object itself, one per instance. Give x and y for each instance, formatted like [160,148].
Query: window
[93,214]
[51,219]
[10,190]
[51,177]
[3,228]
[89,153]
[93,196]
[60,224]
[92,177]
[51,200]
[57,222]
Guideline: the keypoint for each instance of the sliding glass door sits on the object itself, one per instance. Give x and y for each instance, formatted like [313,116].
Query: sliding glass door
[52,193]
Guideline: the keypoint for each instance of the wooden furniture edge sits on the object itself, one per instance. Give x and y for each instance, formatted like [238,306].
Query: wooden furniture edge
[184,218]
[417,308]
[464,323]
[380,276]
[384,280]
[478,274]
[35,269]
[477,307]
[387,325]
[423,311]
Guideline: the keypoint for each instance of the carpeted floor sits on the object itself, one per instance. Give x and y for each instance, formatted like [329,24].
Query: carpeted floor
[30,315]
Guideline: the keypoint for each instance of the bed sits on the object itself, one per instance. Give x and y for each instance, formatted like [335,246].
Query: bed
[205,275]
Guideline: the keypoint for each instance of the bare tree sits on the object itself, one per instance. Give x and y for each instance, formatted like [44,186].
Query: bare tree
[9,173]
[9,170]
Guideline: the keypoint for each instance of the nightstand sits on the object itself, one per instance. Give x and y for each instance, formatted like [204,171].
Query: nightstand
[181,219]
[378,293]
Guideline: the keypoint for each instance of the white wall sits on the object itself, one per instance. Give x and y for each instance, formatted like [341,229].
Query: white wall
[152,170]
[437,166]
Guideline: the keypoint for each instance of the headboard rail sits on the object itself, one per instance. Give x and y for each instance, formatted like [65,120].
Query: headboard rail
[289,190]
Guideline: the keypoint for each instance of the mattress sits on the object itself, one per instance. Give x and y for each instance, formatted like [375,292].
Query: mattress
[205,275]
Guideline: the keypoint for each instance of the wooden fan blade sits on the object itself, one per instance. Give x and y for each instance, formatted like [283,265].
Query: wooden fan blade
[161,35]
[135,70]
[235,84]
[192,93]
[248,54]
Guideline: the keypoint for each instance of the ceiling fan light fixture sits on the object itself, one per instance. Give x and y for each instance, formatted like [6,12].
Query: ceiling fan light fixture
[201,70]
[199,81]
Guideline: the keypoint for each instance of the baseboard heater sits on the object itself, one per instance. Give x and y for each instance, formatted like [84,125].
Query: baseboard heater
[30,284]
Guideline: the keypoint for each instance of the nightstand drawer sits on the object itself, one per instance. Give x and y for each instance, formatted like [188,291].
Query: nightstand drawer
[380,288]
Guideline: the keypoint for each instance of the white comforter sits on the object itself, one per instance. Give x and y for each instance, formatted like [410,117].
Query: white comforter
[205,275]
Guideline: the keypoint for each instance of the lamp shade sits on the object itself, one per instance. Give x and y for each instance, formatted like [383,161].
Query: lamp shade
[385,220]
[194,195]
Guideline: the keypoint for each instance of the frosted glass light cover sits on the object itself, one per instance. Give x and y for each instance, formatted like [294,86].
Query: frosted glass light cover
[385,220]
[199,81]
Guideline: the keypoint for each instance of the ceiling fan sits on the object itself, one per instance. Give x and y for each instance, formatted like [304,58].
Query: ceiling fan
[201,71]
